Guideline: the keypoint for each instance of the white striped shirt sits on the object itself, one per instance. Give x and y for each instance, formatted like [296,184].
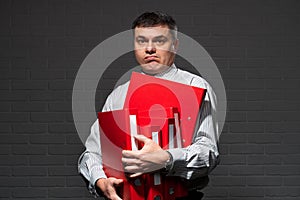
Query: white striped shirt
[194,161]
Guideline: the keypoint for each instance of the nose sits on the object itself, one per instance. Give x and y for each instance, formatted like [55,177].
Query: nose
[150,48]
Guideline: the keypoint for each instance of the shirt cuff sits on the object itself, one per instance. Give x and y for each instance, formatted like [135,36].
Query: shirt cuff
[179,158]
[96,173]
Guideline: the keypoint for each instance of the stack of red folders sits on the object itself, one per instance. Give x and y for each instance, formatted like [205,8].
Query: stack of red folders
[162,110]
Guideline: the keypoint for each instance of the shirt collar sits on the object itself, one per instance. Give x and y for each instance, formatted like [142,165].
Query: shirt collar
[167,73]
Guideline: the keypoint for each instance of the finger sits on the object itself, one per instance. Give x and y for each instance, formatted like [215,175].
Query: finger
[130,161]
[117,181]
[130,154]
[142,138]
[115,197]
[135,175]
[132,169]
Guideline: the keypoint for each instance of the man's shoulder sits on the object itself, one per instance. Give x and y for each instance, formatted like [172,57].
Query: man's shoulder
[192,79]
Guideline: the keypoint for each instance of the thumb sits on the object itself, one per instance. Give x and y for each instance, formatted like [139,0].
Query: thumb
[141,138]
[118,181]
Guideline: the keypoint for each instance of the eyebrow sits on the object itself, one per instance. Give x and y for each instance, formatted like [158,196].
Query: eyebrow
[156,37]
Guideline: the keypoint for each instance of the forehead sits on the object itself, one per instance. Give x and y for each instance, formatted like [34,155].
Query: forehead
[154,31]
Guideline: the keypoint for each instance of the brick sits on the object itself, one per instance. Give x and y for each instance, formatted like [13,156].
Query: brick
[246,192]
[72,160]
[29,171]
[230,138]
[48,96]
[245,106]
[219,192]
[62,128]
[30,107]
[5,128]
[228,181]
[58,149]
[29,85]
[61,85]
[60,107]
[24,41]
[264,116]
[290,138]
[29,149]
[246,149]
[282,149]
[37,160]
[12,75]
[30,193]
[73,139]
[5,107]
[283,191]
[221,170]
[63,171]
[14,139]
[264,138]
[282,170]
[67,192]
[7,160]
[5,150]
[246,170]
[47,182]
[236,116]
[47,139]
[245,127]
[47,117]
[264,181]
[5,171]
[13,182]
[223,149]
[292,159]
[4,84]
[49,75]
[233,160]
[264,160]
[5,192]
[13,96]
[14,117]
[32,128]
[74,181]
[291,181]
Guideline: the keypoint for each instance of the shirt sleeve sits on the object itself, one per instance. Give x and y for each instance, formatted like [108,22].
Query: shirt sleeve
[90,162]
[198,159]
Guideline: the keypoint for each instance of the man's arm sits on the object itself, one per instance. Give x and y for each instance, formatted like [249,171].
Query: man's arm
[194,161]
[90,163]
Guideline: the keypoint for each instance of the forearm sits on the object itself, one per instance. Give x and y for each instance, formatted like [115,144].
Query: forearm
[195,161]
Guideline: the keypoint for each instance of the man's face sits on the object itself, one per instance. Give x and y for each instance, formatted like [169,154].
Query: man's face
[154,48]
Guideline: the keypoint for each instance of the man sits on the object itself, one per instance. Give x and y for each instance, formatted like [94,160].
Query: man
[155,42]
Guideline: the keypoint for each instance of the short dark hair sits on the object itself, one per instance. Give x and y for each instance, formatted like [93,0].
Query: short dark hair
[150,19]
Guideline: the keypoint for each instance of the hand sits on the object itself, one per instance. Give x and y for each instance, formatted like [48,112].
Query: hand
[150,158]
[107,186]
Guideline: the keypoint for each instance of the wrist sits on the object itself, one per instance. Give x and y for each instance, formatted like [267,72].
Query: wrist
[169,162]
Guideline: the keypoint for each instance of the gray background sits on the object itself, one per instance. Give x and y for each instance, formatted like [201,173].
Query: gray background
[254,43]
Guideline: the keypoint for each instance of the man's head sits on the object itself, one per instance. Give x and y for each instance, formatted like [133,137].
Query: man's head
[155,41]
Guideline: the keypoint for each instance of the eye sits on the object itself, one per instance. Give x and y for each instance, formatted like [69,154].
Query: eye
[160,41]
[141,41]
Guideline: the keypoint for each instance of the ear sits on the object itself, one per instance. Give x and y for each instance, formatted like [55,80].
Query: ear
[175,45]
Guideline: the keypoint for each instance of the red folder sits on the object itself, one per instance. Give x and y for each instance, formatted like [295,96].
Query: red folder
[150,93]
[154,188]
[116,134]
[170,187]
[166,125]
[169,112]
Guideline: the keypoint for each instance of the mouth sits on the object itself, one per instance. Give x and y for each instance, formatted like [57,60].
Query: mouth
[149,59]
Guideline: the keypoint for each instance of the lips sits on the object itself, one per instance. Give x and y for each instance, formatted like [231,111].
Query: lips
[150,58]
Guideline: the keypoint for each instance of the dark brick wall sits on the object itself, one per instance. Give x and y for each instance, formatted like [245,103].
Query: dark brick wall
[254,43]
